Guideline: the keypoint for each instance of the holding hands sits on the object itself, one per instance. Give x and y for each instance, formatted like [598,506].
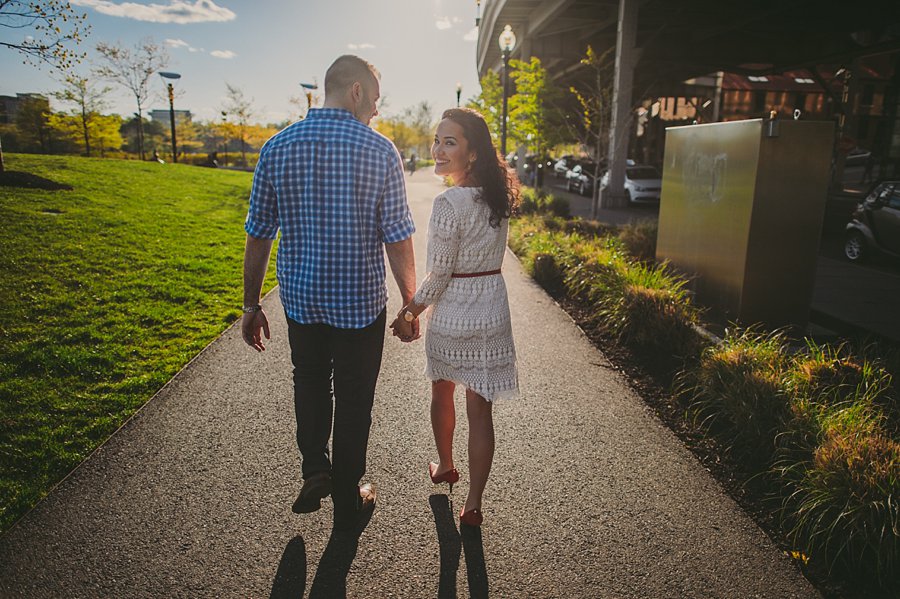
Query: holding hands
[406,325]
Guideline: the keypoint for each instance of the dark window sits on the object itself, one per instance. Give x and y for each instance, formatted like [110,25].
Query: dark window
[868,95]
[862,126]
[759,101]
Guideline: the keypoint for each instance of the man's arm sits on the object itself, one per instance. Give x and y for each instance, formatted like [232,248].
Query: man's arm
[256,263]
[403,265]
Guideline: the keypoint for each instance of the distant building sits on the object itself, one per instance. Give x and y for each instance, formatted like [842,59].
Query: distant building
[9,105]
[181,116]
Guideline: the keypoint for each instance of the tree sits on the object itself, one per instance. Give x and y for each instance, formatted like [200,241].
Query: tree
[490,103]
[594,96]
[89,101]
[132,68]
[398,131]
[31,124]
[533,118]
[57,30]
[241,109]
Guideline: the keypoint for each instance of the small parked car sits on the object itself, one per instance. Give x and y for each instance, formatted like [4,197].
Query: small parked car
[581,178]
[875,225]
[642,183]
[562,166]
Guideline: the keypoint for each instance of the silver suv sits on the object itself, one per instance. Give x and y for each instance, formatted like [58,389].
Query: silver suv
[875,225]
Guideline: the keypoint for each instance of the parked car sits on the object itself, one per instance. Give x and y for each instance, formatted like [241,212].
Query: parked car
[580,178]
[642,183]
[875,225]
[562,166]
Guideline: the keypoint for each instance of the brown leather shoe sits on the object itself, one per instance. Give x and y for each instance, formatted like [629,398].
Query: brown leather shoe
[315,488]
[355,522]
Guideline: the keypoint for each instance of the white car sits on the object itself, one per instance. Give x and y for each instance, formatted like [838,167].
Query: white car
[642,183]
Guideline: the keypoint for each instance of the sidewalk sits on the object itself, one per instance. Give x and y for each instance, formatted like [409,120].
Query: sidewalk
[590,495]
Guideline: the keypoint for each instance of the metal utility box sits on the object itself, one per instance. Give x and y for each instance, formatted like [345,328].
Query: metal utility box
[741,213]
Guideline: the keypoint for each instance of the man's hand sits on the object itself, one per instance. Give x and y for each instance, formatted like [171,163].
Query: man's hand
[407,331]
[251,325]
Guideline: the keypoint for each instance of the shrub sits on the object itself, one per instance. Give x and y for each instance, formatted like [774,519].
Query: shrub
[640,239]
[846,506]
[735,392]
[540,202]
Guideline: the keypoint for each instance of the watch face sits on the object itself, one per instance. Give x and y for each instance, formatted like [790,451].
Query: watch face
[408,317]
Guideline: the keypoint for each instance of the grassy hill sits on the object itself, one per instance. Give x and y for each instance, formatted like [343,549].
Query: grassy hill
[114,275]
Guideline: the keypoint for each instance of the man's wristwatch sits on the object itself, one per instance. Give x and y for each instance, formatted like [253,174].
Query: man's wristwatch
[251,309]
[408,316]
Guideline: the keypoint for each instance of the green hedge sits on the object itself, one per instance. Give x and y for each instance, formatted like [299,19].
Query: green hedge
[819,426]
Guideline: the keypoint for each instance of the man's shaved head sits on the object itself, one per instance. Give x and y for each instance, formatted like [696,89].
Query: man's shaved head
[347,70]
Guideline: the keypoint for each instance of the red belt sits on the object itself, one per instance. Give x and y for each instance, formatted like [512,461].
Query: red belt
[466,275]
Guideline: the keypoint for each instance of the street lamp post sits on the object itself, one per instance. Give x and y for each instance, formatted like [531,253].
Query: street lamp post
[224,138]
[458,92]
[171,90]
[507,42]
[308,87]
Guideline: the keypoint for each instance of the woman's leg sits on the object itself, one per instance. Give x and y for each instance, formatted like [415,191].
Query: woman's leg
[443,422]
[481,446]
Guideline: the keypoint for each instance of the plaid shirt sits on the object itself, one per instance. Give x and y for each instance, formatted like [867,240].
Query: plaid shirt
[336,190]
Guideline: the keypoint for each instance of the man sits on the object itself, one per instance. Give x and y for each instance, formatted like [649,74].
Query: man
[335,189]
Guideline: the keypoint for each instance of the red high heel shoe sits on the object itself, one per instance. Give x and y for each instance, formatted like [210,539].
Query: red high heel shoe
[471,518]
[450,476]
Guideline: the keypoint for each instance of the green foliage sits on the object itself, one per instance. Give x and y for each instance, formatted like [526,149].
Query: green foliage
[735,392]
[640,239]
[594,94]
[490,103]
[641,305]
[52,30]
[109,289]
[540,202]
[531,113]
[818,428]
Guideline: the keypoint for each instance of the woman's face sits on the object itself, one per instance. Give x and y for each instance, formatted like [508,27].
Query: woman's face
[451,151]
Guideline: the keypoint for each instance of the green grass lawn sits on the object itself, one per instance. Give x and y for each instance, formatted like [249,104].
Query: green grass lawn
[108,289]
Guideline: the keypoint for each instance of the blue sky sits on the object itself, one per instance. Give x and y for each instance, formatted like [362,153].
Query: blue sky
[266,47]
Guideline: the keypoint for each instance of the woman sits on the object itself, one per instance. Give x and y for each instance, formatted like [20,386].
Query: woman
[468,339]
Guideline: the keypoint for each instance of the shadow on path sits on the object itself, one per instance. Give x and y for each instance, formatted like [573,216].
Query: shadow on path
[451,543]
[290,579]
[29,181]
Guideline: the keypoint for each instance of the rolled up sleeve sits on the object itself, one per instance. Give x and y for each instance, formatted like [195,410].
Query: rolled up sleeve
[262,216]
[395,220]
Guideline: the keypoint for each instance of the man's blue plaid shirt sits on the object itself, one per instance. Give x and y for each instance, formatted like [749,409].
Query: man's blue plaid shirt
[336,190]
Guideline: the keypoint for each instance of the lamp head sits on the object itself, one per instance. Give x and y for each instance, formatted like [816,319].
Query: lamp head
[507,39]
[309,85]
[169,75]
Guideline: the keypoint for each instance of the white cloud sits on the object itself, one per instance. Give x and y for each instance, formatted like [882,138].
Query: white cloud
[472,36]
[176,11]
[443,23]
[360,46]
[223,54]
[173,43]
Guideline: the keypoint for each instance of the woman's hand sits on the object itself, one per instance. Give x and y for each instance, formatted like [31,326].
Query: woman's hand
[406,331]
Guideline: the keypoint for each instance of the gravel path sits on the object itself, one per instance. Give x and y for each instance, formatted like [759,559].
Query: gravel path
[590,496]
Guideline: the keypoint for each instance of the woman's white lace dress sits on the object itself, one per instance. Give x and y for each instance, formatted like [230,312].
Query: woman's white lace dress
[468,335]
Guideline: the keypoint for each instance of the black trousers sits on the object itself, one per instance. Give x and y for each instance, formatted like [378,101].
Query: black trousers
[348,359]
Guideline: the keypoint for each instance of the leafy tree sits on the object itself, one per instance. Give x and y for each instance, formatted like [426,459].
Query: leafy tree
[398,131]
[240,109]
[89,101]
[31,124]
[490,103]
[106,133]
[132,68]
[594,95]
[533,118]
[57,29]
